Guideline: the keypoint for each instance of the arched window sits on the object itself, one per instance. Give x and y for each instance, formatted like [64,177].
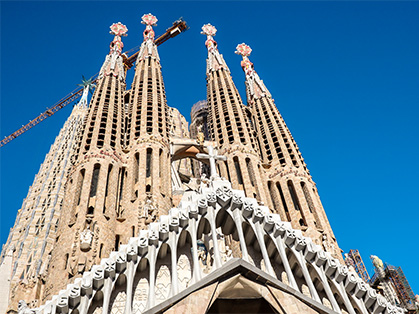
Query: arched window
[95,179]
[238,170]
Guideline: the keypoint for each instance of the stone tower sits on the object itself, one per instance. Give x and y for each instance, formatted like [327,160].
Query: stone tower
[123,248]
[147,138]
[33,235]
[93,211]
[229,125]
[293,193]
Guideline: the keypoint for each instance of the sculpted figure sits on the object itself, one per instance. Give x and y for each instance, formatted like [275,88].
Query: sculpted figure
[378,263]
[23,308]
[86,238]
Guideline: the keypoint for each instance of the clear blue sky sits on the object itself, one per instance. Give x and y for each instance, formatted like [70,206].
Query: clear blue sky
[344,76]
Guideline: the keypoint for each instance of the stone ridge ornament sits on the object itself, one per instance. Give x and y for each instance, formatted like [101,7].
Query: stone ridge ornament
[118,29]
[243,50]
[209,30]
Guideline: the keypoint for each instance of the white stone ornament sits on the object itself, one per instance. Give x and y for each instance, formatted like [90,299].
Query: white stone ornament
[209,254]
[86,238]
[212,157]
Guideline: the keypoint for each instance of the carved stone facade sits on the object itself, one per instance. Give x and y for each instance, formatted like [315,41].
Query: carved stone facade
[32,238]
[161,270]
[140,231]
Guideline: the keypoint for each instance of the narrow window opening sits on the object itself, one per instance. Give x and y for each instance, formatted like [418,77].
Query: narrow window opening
[293,195]
[100,250]
[90,211]
[80,186]
[136,166]
[107,186]
[160,163]
[95,179]
[238,171]
[121,186]
[66,261]
[148,163]
[284,203]
[117,242]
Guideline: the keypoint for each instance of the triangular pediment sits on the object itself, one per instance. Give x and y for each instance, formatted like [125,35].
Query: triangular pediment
[236,280]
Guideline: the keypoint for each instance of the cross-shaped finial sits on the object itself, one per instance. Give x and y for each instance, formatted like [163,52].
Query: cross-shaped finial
[212,156]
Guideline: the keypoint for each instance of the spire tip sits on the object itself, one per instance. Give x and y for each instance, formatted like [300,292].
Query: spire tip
[118,29]
[209,30]
[149,19]
[243,50]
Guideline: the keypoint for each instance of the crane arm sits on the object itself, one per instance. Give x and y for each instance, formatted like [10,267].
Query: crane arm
[178,27]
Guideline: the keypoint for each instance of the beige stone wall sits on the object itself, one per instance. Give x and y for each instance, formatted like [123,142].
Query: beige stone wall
[33,235]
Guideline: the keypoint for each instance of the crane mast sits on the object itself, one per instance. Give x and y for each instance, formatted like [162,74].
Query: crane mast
[178,27]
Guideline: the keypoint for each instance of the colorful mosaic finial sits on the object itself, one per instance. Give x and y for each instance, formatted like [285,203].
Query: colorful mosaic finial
[256,87]
[243,50]
[215,60]
[208,30]
[149,19]
[118,29]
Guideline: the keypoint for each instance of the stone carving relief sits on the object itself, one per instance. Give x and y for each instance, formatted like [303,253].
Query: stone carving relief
[86,239]
[184,272]
[140,296]
[23,308]
[118,304]
[163,283]
[150,210]
[328,268]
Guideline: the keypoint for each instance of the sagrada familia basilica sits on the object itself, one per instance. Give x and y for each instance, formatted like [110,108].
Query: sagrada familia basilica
[134,212]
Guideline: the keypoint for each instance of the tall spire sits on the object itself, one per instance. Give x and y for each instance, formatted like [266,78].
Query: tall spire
[41,211]
[229,122]
[293,193]
[148,47]
[254,85]
[113,63]
[215,60]
[147,137]
[94,207]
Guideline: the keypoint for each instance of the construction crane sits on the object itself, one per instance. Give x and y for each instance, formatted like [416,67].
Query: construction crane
[179,26]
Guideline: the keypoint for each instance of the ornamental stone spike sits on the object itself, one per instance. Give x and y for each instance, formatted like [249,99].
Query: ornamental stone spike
[212,156]
[255,85]
[148,47]
[215,59]
[118,30]
[113,62]
[149,20]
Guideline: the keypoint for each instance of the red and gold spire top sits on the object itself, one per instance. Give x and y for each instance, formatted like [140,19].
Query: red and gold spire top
[119,30]
[215,59]
[255,86]
[113,64]
[149,20]
[148,47]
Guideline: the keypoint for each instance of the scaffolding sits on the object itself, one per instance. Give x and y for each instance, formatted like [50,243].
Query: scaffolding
[354,259]
[401,285]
